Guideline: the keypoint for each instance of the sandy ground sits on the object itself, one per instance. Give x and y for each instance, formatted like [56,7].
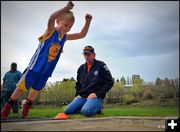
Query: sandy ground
[90,124]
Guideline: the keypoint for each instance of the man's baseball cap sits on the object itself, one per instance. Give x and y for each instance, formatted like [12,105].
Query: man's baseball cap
[88,49]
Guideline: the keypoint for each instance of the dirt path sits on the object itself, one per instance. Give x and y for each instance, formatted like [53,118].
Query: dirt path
[91,124]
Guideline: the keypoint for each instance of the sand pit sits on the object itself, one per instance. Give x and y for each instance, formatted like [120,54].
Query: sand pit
[90,124]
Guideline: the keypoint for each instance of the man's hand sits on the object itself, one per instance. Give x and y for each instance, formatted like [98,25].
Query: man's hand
[70,5]
[88,17]
[92,95]
[78,96]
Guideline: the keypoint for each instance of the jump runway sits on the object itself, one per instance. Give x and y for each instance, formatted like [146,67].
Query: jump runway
[87,124]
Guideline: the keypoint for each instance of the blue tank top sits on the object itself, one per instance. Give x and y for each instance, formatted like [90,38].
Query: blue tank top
[47,54]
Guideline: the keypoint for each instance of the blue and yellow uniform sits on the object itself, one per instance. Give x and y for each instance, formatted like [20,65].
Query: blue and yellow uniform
[43,62]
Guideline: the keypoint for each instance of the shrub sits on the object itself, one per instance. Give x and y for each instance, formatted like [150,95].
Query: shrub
[128,99]
[148,94]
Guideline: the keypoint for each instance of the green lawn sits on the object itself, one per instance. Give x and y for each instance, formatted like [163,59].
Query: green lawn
[142,111]
[51,111]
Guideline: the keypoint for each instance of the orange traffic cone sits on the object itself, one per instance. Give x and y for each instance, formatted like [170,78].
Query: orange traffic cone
[61,116]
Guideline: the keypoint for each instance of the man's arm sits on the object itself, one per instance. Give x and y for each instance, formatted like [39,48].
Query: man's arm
[55,15]
[2,88]
[3,84]
[106,76]
[19,75]
[84,30]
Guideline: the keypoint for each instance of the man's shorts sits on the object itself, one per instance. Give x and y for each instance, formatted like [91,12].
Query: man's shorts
[32,80]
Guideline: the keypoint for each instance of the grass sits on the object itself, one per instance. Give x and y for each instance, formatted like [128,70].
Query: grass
[108,111]
[142,111]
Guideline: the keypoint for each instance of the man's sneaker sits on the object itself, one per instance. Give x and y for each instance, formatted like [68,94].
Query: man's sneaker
[5,111]
[25,110]
[101,110]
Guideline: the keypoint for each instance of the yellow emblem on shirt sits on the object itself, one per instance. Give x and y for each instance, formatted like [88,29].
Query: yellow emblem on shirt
[53,52]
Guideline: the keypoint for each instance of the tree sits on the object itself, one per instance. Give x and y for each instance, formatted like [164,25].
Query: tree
[158,81]
[117,80]
[128,81]
[123,81]
[176,84]
[167,82]
[148,94]
[174,87]
[115,94]
[138,82]
[57,93]
[65,80]
[137,90]
[72,79]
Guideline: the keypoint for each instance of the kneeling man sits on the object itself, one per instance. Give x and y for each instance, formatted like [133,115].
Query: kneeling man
[94,80]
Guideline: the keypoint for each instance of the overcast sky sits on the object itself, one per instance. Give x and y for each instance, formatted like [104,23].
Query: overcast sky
[132,37]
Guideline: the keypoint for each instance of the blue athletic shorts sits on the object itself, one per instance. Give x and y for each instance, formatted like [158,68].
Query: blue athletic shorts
[32,80]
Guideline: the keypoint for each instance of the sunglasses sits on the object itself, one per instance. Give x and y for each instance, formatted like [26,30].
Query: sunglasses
[87,54]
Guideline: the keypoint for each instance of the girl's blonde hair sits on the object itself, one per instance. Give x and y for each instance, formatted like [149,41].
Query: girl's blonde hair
[66,15]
